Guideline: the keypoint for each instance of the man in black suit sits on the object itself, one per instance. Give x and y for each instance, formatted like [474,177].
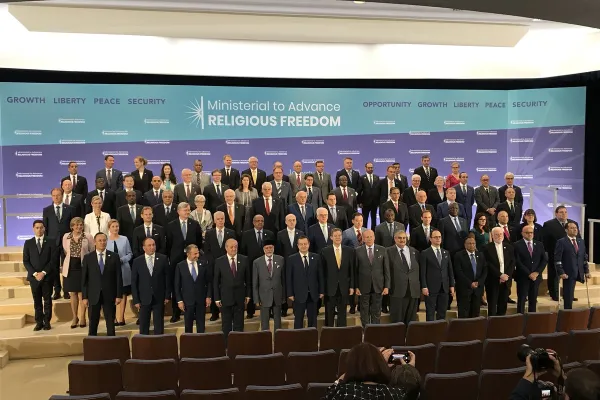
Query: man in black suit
[278,164]
[80,185]
[465,195]
[235,213]
[181,233]
[153,196]
[113,177]
[368,199]
[386,185]
[338,264]
[352,175]
[346,197]
[399,176]
[193,289]
[470,271]
[72,199]
[40,257]
[258,175]
[530,261]
[166,211]
[186,191]
[409,196]
[230,175]
[101,285]
[399,208]
[272,209]
[337,214]
[420,237]
[129,216]
[510,232]
[512,208]
[215,192]
[319,234]
[150,286]
[148,230]
[454,230]
[287,239]
[554,230]
[416,210]
[509,177]
[427,173]
[304,280]
[314,196]
[405,287]
[108,197]
[232,287]
[57,221]
[127,187]
[437,278]
[500,258]
[384,232]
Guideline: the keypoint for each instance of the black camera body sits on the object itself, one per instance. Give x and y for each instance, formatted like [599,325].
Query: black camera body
[540,358]
[396,357]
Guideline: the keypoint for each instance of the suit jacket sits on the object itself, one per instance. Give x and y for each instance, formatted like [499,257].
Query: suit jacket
[189,291]
[403,179]
[349,237]
[341,217]
[452,240]
[239,215]
[518,194]
[126,223]
[294,182]
[526,263]
[418,239]
[414,215]
[408,196]
[384,189]
[376,274]
[250,247]
[121,200]
[485,200]
[286,195]
[176,243]
[553,232]
[351,205]
[466,200]
[139,234]
[353,181]
[316,199]
[116,182]
[434,276]
[303,223]
[493,264]
[204,179]
[211,243]
[571,262]
[442,211]
[275,221]
[233,180]
[110,283]
[82,185]
[512,233]
[369,193]
[269,289]
[284,248]
[145,286]
[109,204]
[301,282]
[463,272]
[213,200]
[426,184]
[324,184]
[160,217]
[538,232]
[403,278]
[342,277]
[46,261]
[433,197]
[316,238]
[261,177]
[56,228]
[382,233]
[179,194]
[77,202]
[401,214]
[514,217]
[144,183]
[230,289]
[150,200]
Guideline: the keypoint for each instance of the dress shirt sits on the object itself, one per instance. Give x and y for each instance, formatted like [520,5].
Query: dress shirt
[325,231]
[40,240]
[450,202]
[103,256]
[102,194]
[500,253]
[463,188]
[333,213]
[291,235]
[427,230]
[132,210]
[421,205]
[370,178]
[406,254]
[435,249]
[229,258]
[147,226]
[170,206]
[182,221]
[415,189]
[65,198]
[307,258]
[270,200]
[192,264]
[390,186]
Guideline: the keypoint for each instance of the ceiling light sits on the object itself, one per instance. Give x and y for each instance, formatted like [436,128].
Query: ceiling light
[359,2]
[536,20]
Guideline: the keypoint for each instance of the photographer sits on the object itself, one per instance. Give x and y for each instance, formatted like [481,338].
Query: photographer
[407,377]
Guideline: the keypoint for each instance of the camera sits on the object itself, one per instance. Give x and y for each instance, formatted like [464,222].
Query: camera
[396,357]
[540,358]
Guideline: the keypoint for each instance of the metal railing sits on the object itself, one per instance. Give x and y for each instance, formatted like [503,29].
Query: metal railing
[6,214]
[591,223]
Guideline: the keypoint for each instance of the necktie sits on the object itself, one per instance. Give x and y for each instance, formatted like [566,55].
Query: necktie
[345,195]
[220,237]
[396,206]
[58,212]
[426,229]
[438,255]
[67,200]
[231,215]
[233,269]
[370,255]
[404,257]
[423,207]
[132,212]
[333,213]
[473,264]
[102,195]
[109,178]
[74,180]
[338,257]
[227,172]
[464,189]
[150,264]
[194,273]
[267,207]
[198,179]
[456,224]
[324,230]
[506,233]
[184,229]
[310,194]
[219,190]
[530,248]
[349,173]
[98,222]
[187,191]
[279,189]
[391,228]
[297,179]
[302,211]
[269,266]
[259,239]
[371,180]
[305,263]
[148,234]
[101,263]
[359,237]
[168,210]
[254,177]
[156,195]
[115,248]
[510,206]
[487,191]
[39,245]
[427,172]
[575,245]
[321,177]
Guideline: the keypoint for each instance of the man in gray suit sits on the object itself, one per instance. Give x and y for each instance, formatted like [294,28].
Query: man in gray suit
[112,177]
[487,199]
[200,178]
[322,179]
[373,278]
[268,285]
[346,197]
[281,189]
[353,236]
[405,286]
[385,231]
[296,177]
[186,191]
[313,193]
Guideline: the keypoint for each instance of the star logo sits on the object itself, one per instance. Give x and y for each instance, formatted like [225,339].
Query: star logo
[196,111]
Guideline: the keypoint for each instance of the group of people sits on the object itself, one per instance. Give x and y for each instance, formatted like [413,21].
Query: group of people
[236,241]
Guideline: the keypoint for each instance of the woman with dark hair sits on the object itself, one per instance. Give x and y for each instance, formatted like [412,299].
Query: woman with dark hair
[407,377]
[529,218]
[245,195]
[367,377]
[168,177]
[481,231]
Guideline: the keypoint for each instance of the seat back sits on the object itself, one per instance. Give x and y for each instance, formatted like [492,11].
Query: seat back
[307,367]
[441,386]
[584,345]
[557,341]
[91,377]
[249,343]
[100,348]
[316,391]
[99,396]
[425,354]
[222,394]
[154,347]
[338,338]
[539,322]
[385,335]
[594,365]
[287,392]
[265,370]
[150,375]
[566,368]
[458,357]
[569,320]
[342,361]
[419,333]
[498,384]
[202,345]
[288,340]
[164,395]
[594,318]
[505,326]
[465,329]
[502,353]
[205,373]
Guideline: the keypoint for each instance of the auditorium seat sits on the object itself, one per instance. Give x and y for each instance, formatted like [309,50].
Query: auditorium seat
[154,347]
[569,320]
[466,329]
[222,394]
[498,384]
[205,373]
[202,345]
[426,355]
[505,326]
[594,365]
[557,341]
[287,392]
[91,377]
[316,391]
[441,386]
[100,348]
[164,395]
[265,370]
[540,322]
[306,367]
[584,345]
[594,318]
[419,333]
[502,353]
[342,362]
[566,368]
[99,396]
[288,340]
[249,343]
[385,335]
[150,375]
[338,338]
[458,357]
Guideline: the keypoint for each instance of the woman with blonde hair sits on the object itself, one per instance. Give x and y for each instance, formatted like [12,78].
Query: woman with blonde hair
[142,176]
[97,220]
[453,178]
[120,246]
[201,214]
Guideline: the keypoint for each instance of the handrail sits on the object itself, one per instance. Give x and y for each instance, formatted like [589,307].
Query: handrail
[591,223]
[29,214]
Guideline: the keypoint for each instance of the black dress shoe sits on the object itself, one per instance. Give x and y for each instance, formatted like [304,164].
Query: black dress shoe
[511,301]
[284,313]
[249,316]
[484,303]
[56,296]
[38,327]
[47,327]
[385,311]
[352,311]
[214,318]
[554,298]
[575,299]
[66,296]
[137,322]
[174,319]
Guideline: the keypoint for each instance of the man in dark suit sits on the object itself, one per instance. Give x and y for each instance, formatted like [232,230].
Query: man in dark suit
[80,185]
[108,197]
[487,199]
[232,287]
[112,177]
[530,261]
[420,237]
[150,286]
[101,285]
[385,231]
[304,281]
[394,204]
[186,191]
[372,278]
[319,234]
[153,196]
[352,175]
[272,209]
[454,230]
[570,257]
[235,213]
[470,272]
[509,177]
[287,244]
[399,176]
[296,178]
[72,199]
[282,190]
[368,198]
[465,195]
[346,197]
[127,187]
[230,176]
[278,164]
[386,185]
[165,212]
[338,264]
[510,232]
[442,208]
[322,178]
[258,175]
[512,208]
[427,173]
[193,289]
[181,233]
[304,212]
[409,196]
[336,214]
[352,237]
[500,258]
[437,278]
[416,210]
[405,287]
[215,192]
[314,196]
[268,285]
[129,216]
[40,257]
[148,230]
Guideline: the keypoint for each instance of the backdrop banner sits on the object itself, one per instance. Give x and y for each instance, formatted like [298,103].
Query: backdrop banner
[536,134]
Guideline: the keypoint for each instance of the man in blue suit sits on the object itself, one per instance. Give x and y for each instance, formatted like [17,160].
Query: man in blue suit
[352,237]
[193,289]
[304,281]
[316,233]
[465,195]
[530,260]
[571,262]
[442,208]
[304,212]
[112,177]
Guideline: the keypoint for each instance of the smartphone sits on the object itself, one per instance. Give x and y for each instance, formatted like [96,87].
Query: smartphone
[546,393]
[396,357]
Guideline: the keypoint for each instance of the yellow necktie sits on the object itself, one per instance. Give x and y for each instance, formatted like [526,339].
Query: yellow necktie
[254,176]
[338,257]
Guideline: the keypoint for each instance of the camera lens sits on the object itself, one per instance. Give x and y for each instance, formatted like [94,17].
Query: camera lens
[523,352]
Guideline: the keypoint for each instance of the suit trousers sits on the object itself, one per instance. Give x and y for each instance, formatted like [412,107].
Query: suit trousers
[332,303]
[196,312]
[175,307]
[527,289]
[109,309]
[42,301]
[403,309]
[232,318]
[370,211]
[436,305]
[56,279]
[370,308]
[568,292]
[385,303]
[264,317]
[156,308]
[497,298]
[310,307]
[250,308]
[468,302]
[552,278]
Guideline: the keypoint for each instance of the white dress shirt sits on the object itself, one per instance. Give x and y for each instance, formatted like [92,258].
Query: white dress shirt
[192,264]
[406,254]
[229,258]
[103,256]
[291,235]
[325,231]
[500,253]
[270,201]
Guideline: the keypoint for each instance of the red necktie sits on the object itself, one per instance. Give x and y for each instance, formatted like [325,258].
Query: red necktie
[506,233]
[67,200]
[359,237]
[345,195]
[187,191]
[530,249]
[233,269]
[396,205]
[267,208]
[297,179]
[575,245]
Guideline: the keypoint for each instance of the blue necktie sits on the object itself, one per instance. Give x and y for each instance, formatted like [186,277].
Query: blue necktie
[184,229]
[148,234]
[474,264]
[101,264]
[194,274]
[439,256]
